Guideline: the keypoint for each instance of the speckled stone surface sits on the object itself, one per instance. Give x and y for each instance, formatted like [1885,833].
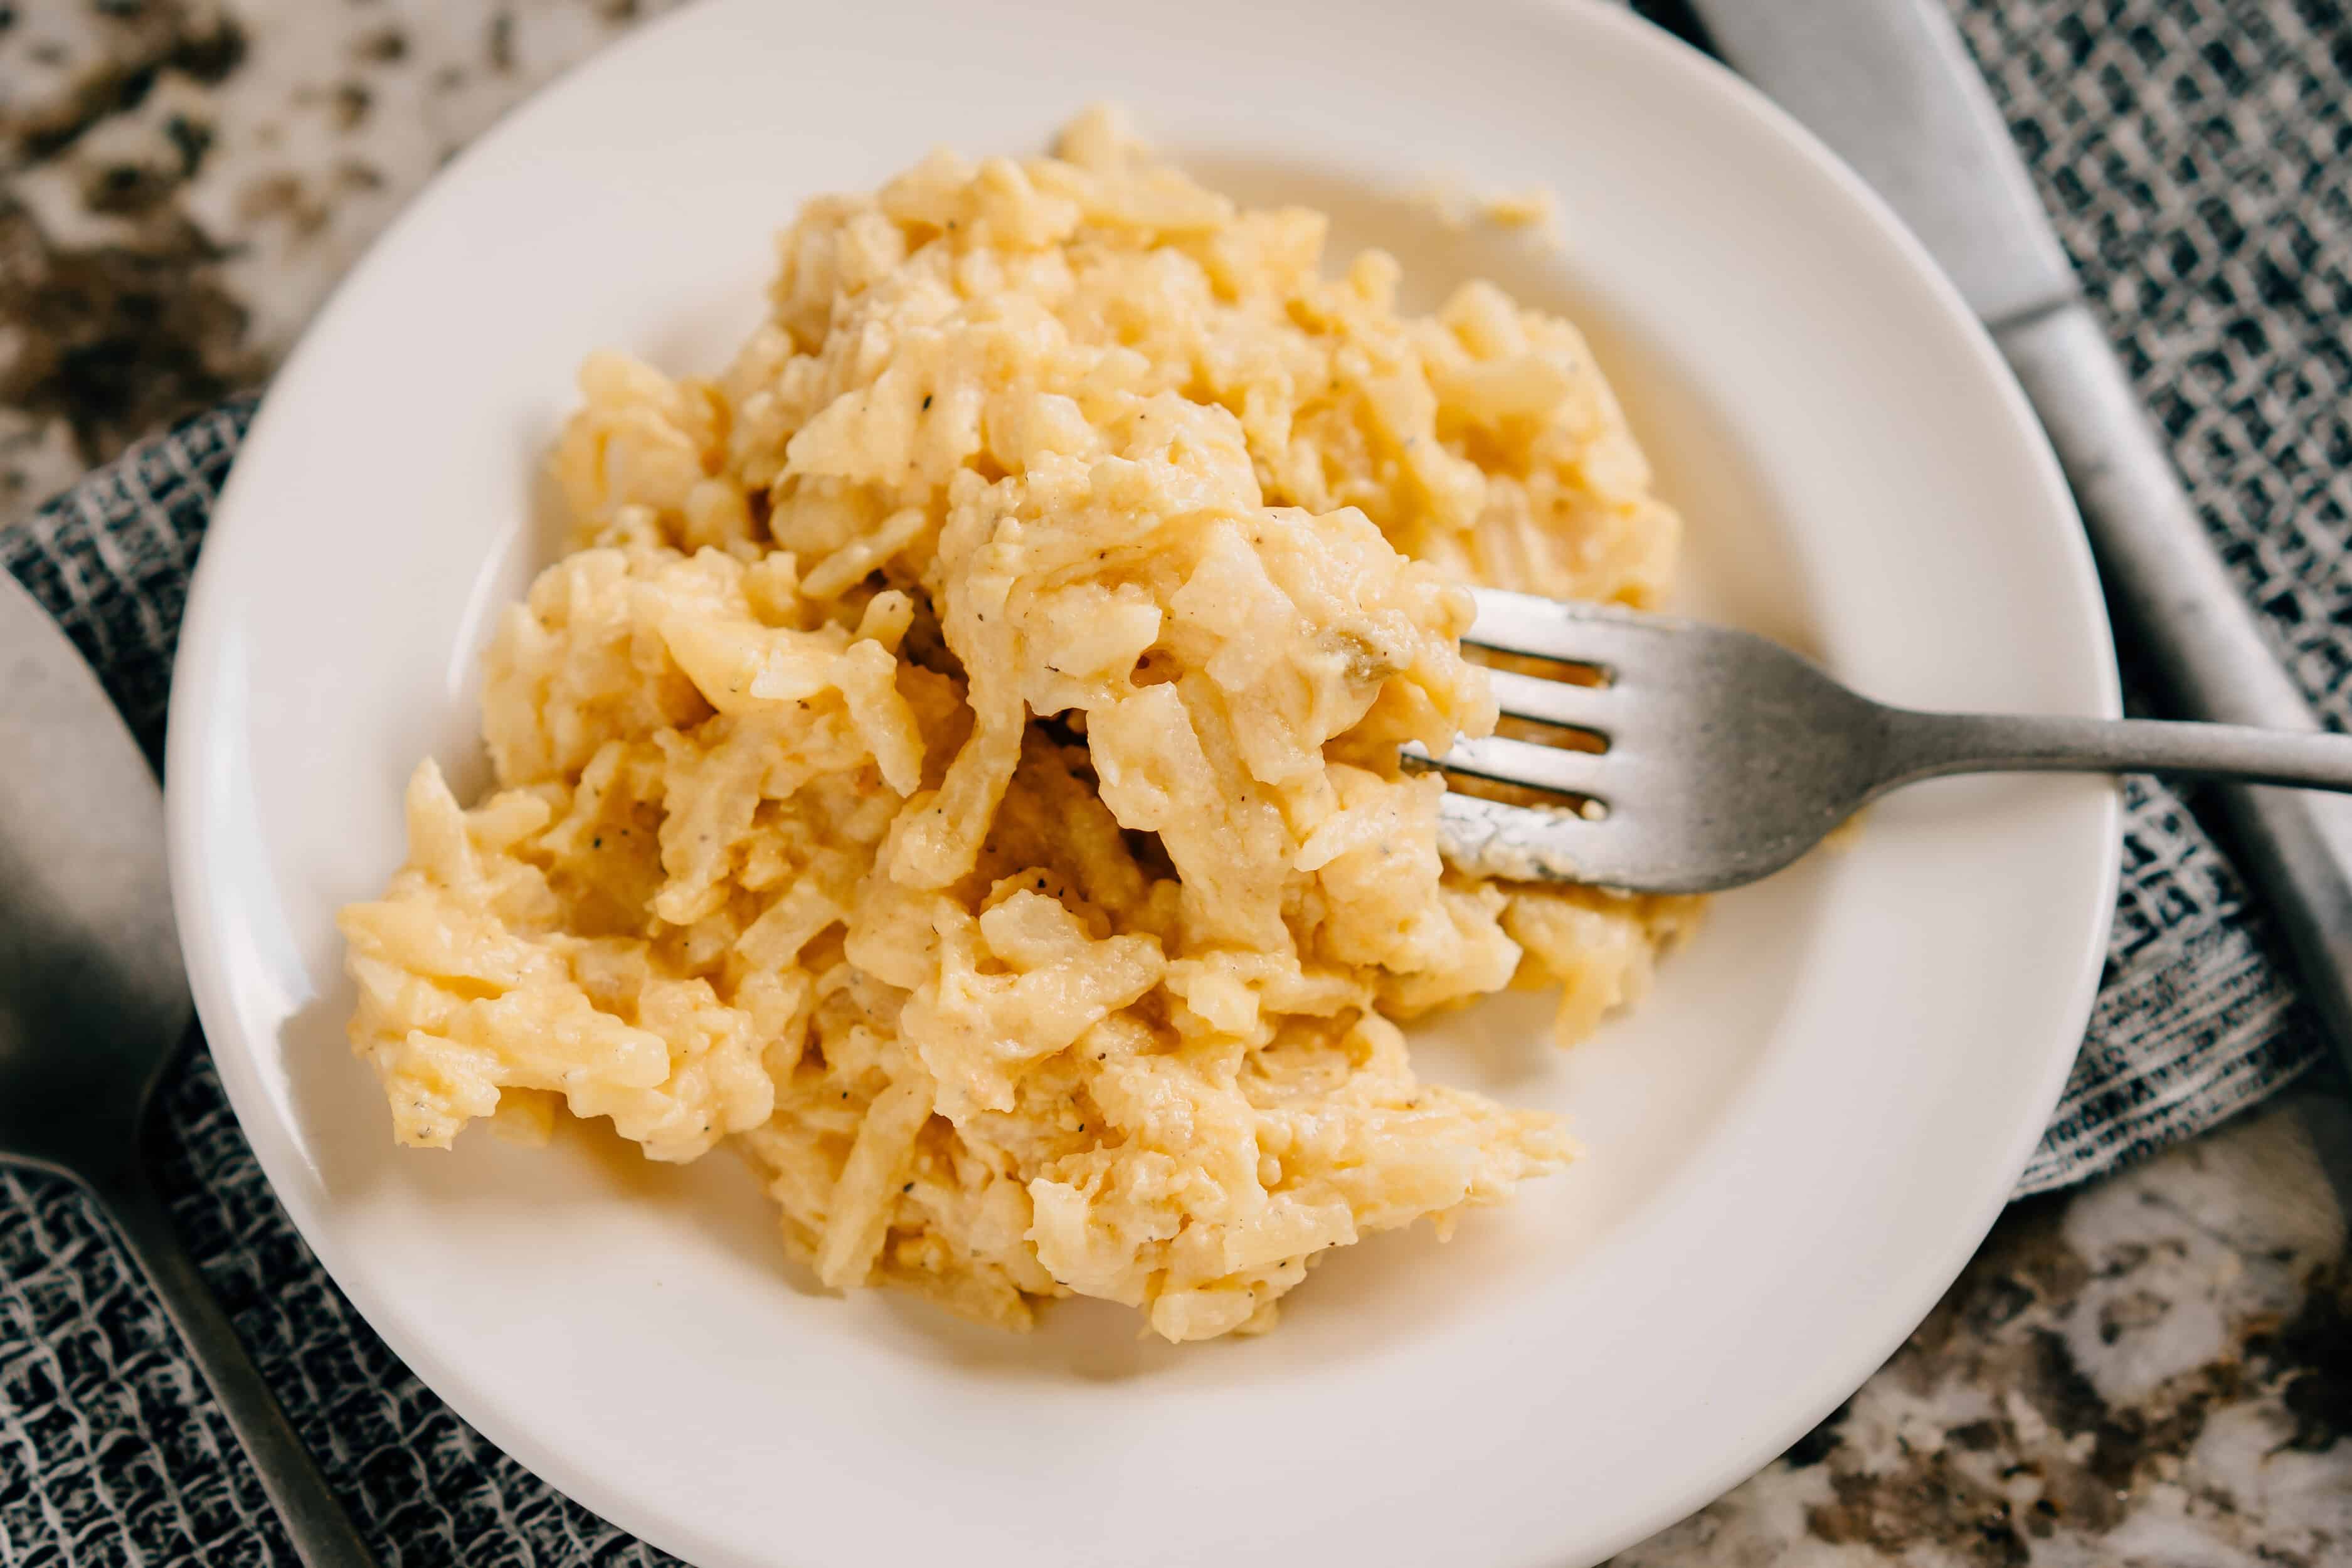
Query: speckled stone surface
[2155,1370]
[186,180]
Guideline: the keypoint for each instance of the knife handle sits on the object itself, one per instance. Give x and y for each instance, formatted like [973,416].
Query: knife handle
[2161,572]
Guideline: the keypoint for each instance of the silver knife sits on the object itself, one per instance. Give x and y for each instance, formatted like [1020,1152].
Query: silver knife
[1889,85]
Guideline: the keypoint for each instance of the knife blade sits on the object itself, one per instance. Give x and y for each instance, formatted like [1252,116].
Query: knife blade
[1890,87]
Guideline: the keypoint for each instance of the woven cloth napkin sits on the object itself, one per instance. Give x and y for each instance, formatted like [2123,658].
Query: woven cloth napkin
[2195,154]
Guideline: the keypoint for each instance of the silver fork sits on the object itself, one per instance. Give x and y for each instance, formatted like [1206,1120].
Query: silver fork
[1718,758]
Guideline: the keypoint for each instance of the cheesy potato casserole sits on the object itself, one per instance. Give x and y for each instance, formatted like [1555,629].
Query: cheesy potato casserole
[957,761]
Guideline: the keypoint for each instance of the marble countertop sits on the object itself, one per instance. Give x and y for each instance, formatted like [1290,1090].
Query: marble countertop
[2155,1369]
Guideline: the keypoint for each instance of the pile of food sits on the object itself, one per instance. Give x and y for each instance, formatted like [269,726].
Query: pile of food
[959,760]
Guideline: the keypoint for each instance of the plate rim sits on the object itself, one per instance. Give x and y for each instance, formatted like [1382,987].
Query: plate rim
[194,716]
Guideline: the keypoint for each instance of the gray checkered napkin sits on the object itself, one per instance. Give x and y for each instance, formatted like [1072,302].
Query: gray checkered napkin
[2195,154]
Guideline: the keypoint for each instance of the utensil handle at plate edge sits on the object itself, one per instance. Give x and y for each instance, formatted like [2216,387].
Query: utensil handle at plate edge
[1926,745]
[2161,570]
[322,1533]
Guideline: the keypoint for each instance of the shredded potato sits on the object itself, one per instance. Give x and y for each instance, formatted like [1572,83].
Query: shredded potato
[959,760]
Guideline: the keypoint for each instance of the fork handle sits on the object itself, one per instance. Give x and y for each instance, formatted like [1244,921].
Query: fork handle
[1926,745]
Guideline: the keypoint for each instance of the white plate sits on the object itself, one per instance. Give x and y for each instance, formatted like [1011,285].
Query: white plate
[1793,1146]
